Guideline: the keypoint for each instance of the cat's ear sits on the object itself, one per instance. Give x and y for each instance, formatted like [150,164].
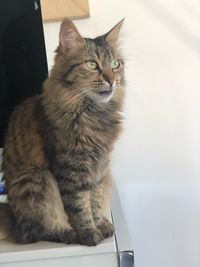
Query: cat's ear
[112,36]
[69,37]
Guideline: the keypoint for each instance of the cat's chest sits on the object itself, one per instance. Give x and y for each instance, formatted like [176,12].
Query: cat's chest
[88,133]
[95,129]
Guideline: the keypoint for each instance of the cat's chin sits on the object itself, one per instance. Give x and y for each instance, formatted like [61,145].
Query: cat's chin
[99,99]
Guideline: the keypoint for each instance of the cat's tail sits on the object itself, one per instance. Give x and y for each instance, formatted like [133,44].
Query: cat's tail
[6,222]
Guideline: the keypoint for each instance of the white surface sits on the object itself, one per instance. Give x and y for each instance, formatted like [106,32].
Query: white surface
[105,260]
[156,162]
[3,199]
[46,250]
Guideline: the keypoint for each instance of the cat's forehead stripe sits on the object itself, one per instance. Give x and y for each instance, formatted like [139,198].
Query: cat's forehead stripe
[103,48]
[100,49]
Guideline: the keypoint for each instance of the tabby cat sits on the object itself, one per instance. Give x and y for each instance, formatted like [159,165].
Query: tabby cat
[56,159]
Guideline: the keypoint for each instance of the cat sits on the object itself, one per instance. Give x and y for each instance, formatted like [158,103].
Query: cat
[56,158]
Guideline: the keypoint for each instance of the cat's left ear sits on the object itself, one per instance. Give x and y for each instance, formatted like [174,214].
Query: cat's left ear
[69,37]
[112,36]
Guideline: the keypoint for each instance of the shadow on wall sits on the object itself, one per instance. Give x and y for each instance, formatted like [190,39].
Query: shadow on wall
[177,26]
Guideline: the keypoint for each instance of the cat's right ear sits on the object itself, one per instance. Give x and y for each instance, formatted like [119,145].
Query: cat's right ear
[69,37]
[112,36]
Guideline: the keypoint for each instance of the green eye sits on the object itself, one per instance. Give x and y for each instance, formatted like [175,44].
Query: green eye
[92,65]
[115,64]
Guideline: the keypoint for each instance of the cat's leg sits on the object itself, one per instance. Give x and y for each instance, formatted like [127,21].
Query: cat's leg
[78,207]
[100,201]
[38,209]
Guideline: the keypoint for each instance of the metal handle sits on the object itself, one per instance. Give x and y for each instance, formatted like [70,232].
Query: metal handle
[126,258]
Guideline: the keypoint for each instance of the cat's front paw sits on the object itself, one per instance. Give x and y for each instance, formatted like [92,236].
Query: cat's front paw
[107,228]
[69,237]
[90,237]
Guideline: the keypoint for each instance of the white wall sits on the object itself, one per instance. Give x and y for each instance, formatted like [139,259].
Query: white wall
[157,160]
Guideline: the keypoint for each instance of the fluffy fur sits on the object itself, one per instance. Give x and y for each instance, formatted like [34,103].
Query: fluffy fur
[56,159]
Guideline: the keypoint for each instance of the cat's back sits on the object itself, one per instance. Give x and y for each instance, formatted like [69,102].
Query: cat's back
[23,146]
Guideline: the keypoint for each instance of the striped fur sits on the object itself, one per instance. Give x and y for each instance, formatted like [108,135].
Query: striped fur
[57,151]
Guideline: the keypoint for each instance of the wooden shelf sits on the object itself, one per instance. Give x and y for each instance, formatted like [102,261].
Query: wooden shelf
[58,9]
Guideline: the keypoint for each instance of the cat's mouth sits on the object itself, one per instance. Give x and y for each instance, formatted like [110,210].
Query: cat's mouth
[103,95]
[105,92]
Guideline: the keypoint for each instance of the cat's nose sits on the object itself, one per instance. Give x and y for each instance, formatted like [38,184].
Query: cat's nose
[110,82]
[109,79]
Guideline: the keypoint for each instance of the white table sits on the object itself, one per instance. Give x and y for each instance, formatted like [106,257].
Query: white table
[49,254]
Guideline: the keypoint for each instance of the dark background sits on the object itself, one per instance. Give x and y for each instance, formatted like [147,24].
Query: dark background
[23,63]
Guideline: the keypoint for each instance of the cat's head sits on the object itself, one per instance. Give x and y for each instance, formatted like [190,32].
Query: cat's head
[92,68]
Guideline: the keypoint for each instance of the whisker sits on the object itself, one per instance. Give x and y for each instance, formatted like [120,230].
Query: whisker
[81,93]
[132,92]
